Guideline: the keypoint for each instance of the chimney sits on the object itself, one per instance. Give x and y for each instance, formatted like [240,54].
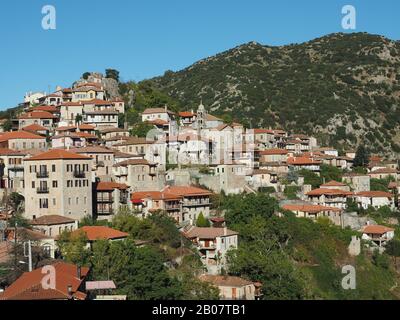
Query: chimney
[225,231]
[79,272]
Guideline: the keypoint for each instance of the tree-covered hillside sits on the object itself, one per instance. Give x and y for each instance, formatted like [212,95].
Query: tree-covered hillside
[343,88]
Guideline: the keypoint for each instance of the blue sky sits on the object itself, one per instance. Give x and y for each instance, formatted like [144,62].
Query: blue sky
[145,38]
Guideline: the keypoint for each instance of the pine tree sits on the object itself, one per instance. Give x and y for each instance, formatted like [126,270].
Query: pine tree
[201,221]
[362,157]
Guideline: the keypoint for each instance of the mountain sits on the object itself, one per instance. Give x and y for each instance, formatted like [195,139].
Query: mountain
[342,88]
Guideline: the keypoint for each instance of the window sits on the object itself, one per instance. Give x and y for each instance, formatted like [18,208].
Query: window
[77,200]
[53,168]
[55,184]
[33,184]
[54,201]
[43,203]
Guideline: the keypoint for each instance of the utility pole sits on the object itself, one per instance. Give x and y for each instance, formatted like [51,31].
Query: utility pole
[29,254]
[15,247]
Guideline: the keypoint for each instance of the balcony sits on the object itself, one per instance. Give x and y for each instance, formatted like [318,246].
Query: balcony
[79,174]
[107,199]
[106,211]
[42,174]
[43,190]
[195,203]
[16,167]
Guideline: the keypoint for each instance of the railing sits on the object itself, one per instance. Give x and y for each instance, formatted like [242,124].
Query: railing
[79,174]
[16,167]
[42,174]
[105,199]
[105,211]
[42,190]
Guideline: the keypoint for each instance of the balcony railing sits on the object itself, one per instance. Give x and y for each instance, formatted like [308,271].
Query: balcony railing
[105,199]
[105,211]
[79,174]
[42,190]
[16,167]
[42,174]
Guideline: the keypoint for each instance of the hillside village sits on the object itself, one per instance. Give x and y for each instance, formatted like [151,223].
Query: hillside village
[77,184]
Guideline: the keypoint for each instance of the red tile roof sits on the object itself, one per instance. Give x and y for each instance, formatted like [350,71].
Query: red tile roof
[98,102]
[34,128]
[375,194]
[51,220]
[324,191]
[333,183]
[29,285]
[37,115]
[101,233]
[108,186]
[312,208]
[302,161]
[208,233]
[19,135]
[51,109]
[274,152]
[187,190]
[186,114]
[376,229]
[58,154]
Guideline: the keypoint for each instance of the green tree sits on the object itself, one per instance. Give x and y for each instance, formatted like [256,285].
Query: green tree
[311,178]
[362,157]
[7,125]
[202,222]
[113,74]
[330,173]
[393,249]
[78,119]
[73,248]
[141,129]
[86,75]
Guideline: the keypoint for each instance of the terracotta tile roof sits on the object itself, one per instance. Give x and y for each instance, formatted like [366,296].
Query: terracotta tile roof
[133,141]
[376,229]
[324,191]
[51,220]
[108,186]
[154,195]
[302,161]
[91,149]
[51,109]
[384,171]
[187,190]
[34,128]
[158,122]
[208,233]
[86,135]
[10,152]
[132,162]
[333,183]
[262,131]
[112,129]
[225,281]
[37,115]
[86,127]
[19,135]
[29,285]
[156,110]
[25,234]
[312,208]
[66,128]
[101,233]
[98,102]
[274,152]
[58,154]
[375,194]
[70,104]
[186,114]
